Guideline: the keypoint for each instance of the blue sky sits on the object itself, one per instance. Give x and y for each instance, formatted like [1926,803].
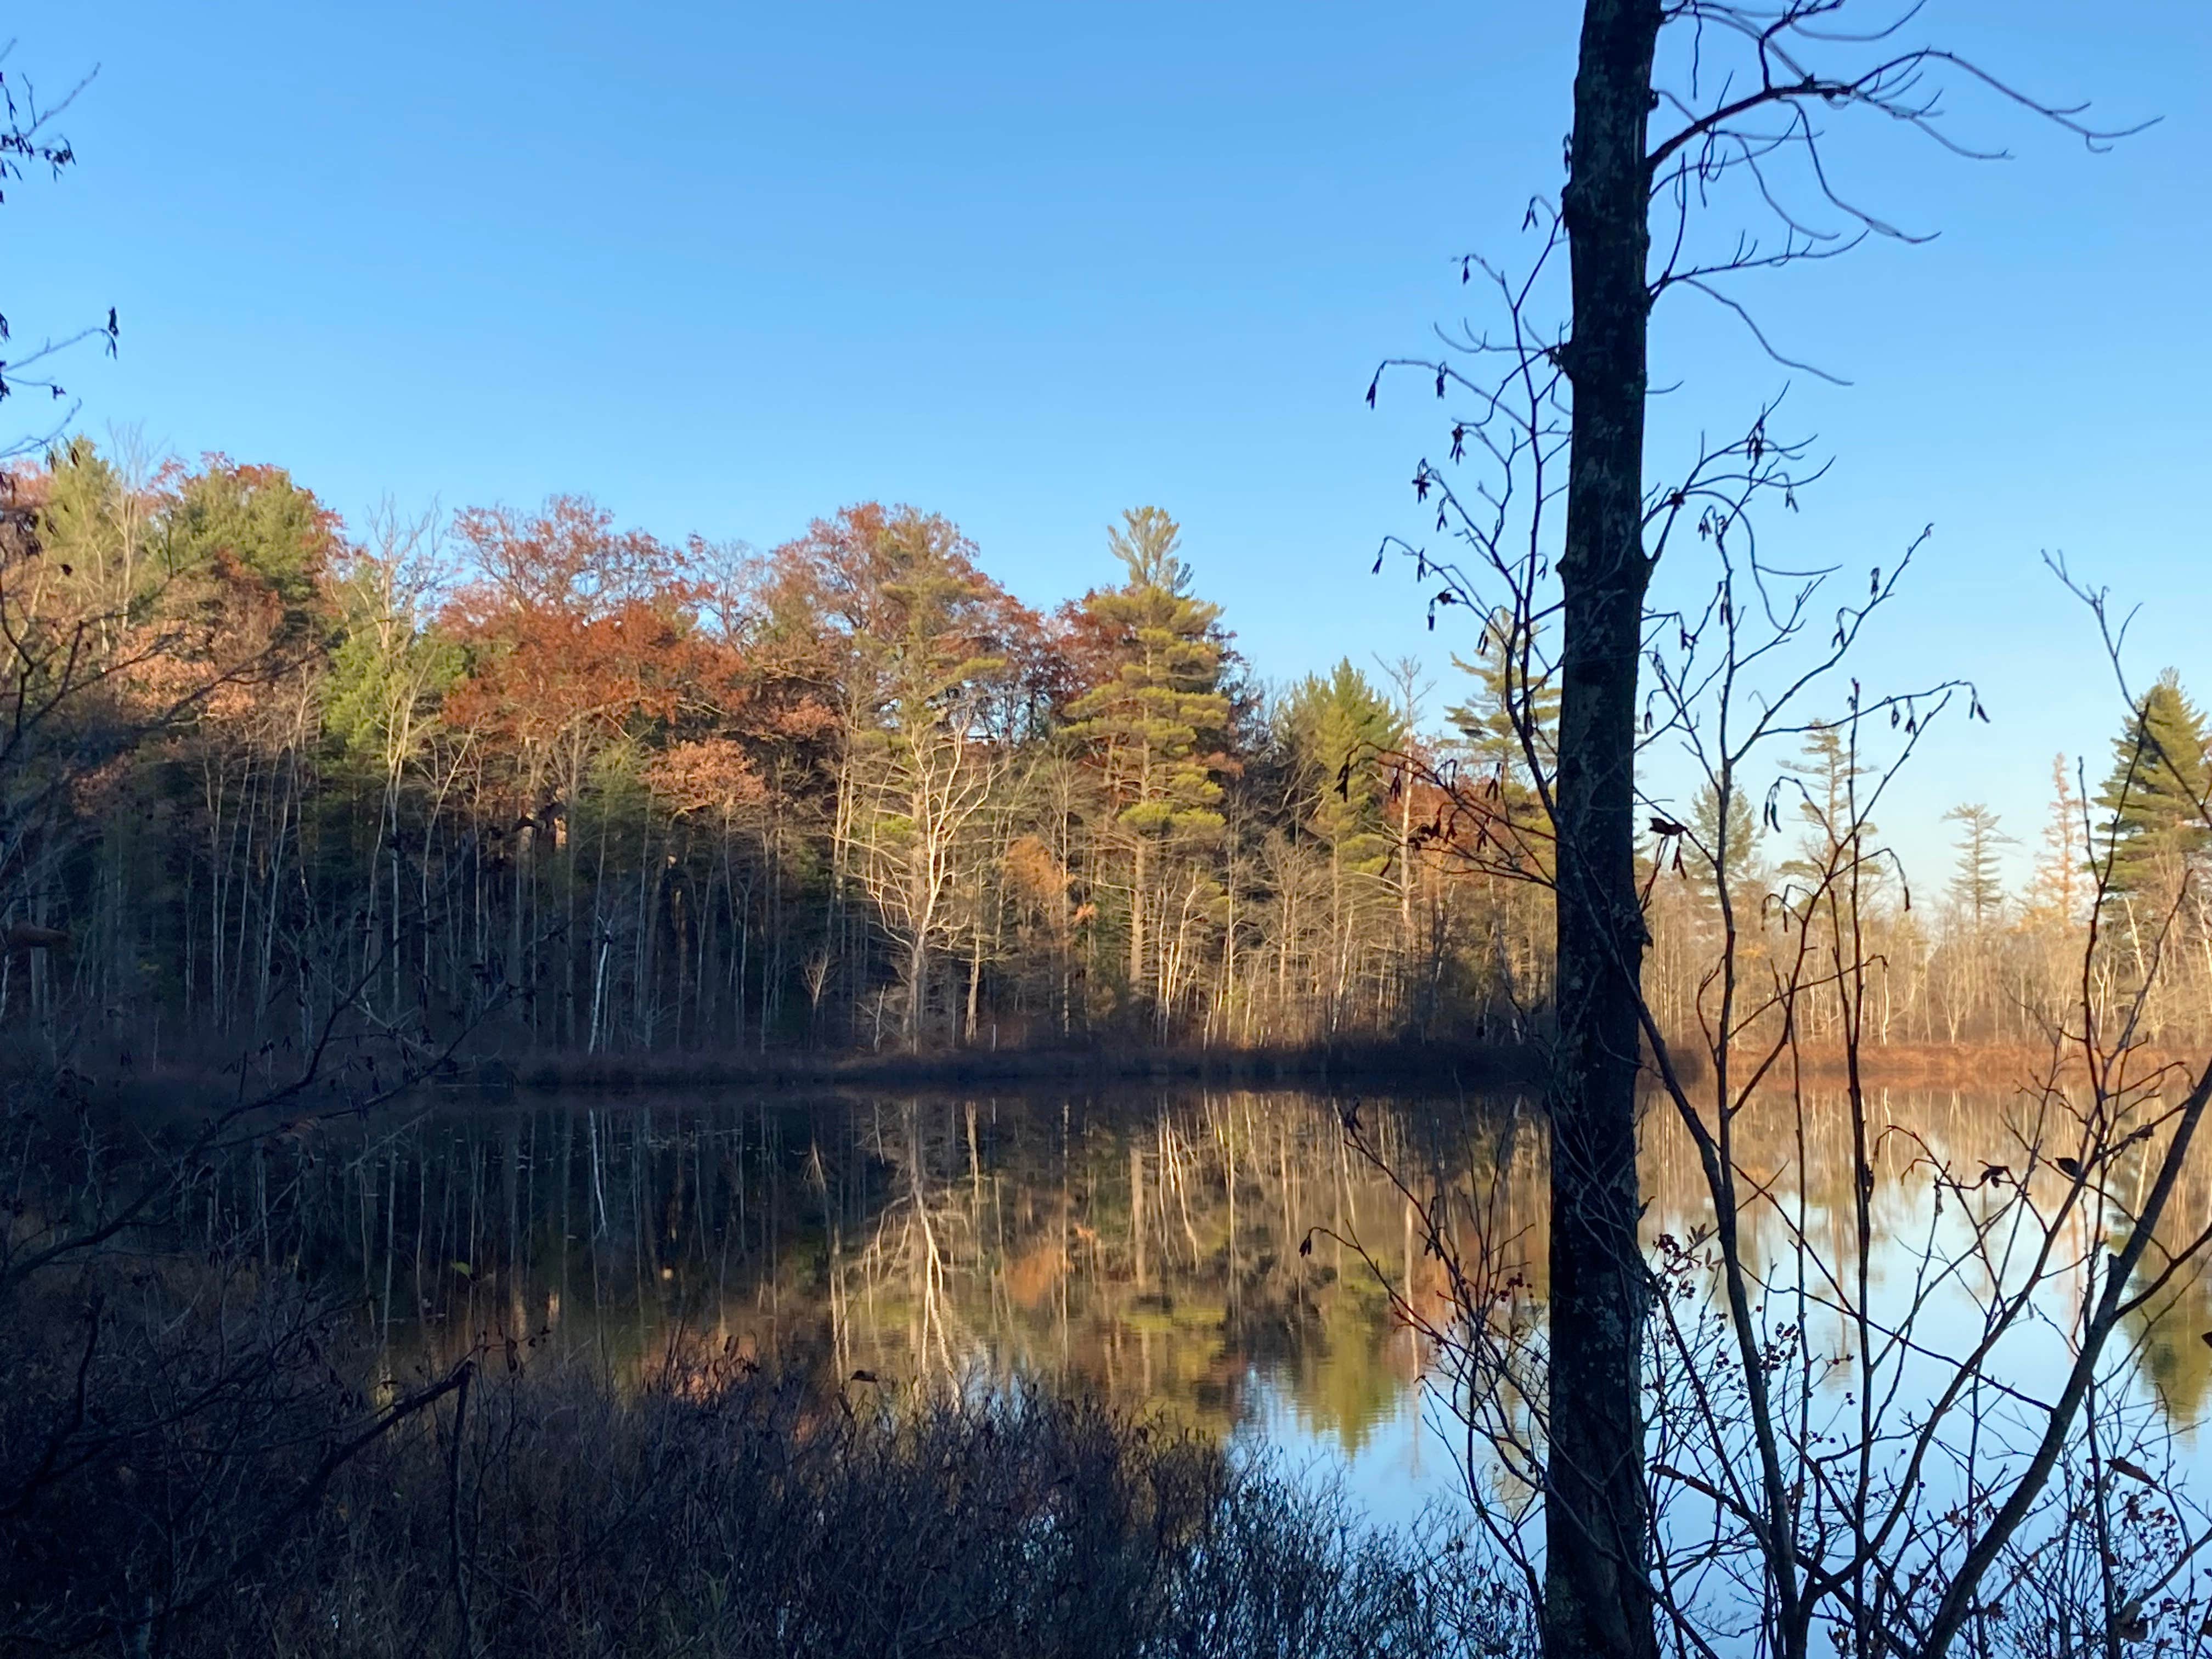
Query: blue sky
[729,267]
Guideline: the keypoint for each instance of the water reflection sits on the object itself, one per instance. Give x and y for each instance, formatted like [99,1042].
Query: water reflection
[1146,1248]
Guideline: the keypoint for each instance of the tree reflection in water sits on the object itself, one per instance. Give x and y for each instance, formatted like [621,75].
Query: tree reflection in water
[1142,1247]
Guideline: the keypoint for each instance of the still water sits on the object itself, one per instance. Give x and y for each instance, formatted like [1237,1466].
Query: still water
[1141,1246]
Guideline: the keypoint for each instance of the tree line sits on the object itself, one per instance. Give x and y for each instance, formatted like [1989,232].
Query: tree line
[593,790]
[570,785]
[2114,888]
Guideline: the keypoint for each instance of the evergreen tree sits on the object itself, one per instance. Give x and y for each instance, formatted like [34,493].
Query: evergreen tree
[253,523]
[1837,835]
[1730,850]
[1511,692]
[83,489]
[2154,801]
[1336,728]
[2055,892]
[1508,689]
[101,516]
[388,663]
[1155,717]
[1977,886]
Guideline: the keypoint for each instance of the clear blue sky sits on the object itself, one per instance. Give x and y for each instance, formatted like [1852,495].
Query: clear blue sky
[729,266]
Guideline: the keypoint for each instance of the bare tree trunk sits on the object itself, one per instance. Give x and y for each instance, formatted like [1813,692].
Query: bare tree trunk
[974,981]
[1406,878]
[1138,872]
[1597,1595]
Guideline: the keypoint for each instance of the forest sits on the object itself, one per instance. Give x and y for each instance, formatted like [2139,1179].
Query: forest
[528,782]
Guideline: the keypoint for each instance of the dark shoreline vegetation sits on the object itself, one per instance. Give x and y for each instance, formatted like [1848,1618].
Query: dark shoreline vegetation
[716,1509]
[518,1507]
[1448,1067]
[1400,1068]
[1445,1065]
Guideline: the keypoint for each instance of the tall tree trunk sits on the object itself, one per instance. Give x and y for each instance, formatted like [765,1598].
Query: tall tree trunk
[1406,964]
[1138,881]
[916,975]
[1597,1595]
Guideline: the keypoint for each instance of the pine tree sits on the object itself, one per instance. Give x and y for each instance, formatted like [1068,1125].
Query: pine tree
[2056,891]
[252,523]
[1155,718]
[1978,886]
[1337,728]
[1510,690]
[388,663]
[1836,836]
[1836,875]
[2155,827]
[1512,700]
[1732,857]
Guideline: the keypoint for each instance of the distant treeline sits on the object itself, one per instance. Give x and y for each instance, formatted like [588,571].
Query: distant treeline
[557,785]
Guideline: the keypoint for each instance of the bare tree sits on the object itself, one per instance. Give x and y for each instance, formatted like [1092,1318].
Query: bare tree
[1679,110]
[938,774]
[30,142]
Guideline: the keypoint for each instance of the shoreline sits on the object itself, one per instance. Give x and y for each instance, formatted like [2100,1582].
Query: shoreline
[1414,1067]
[1428,1065]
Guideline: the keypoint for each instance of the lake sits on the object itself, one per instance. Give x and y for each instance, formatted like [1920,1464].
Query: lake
[1144,1245]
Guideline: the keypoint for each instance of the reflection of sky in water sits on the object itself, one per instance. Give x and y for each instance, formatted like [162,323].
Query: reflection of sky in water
[1923,1273]
[1142,1247]
[1401,1465]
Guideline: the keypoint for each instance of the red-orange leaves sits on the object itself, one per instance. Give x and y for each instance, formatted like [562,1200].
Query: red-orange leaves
[576,634]
[711,775]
